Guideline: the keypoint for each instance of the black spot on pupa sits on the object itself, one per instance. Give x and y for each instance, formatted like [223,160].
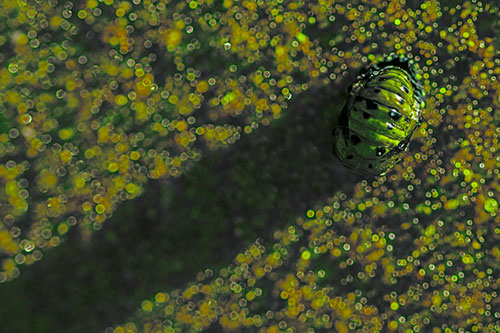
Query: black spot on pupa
[349,157]
[355,139]
[390,126]
[394,114]
[366,115]
[370,166]
[405,89]
[377,90]
[403,145]
[371,104]
[380,151]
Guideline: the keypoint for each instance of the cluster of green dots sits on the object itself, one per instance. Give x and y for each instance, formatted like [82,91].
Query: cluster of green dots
[414,251]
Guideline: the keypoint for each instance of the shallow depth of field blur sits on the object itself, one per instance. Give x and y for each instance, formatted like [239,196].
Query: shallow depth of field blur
[167,166]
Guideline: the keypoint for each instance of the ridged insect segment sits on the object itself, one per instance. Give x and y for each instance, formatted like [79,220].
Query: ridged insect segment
[383,109]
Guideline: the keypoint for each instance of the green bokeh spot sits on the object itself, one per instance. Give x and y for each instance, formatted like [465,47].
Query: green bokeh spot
[491,205]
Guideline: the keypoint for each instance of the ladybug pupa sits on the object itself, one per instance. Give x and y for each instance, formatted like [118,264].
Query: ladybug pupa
[383,109]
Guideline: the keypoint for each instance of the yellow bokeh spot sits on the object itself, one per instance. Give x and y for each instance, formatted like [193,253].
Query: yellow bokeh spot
[336,252]
[202,86]
[121,100]
[62,228]
[147,306]
[161,297]
[113,167]
[200,130]
[467,259]
[89,153]
[120,12]
[173,39]
[173,99]
[250,296]
[65,156]
[181,126]
[100,208]
[86,206]
[394,306]
[135,155]
[92,4]
[131,188]
[306,255]
[82,14]
[66,133]
[393,325]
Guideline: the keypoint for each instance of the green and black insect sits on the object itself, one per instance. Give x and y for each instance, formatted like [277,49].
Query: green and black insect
[383,109]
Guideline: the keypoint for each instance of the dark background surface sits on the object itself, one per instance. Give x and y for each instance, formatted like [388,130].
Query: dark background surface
[180,227]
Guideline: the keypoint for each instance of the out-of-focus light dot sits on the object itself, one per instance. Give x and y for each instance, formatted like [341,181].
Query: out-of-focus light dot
[62,228]
[301,37]
[86,206]
[113,167]
[131,188]
[491,205]
[82,14]
[310,213]
[20,259]
[25,119]
[13,68]
[467,259]
[100,208]
[66,133]
[89,153]
[13,133]
[393,325]
[306,255]
[397,22]
[120,12]
[135,155]
[121,100]
[173,99]
[394,306]
[250,295]
[147,306]
[161,297]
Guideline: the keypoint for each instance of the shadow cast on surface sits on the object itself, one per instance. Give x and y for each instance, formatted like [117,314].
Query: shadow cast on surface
[177,228]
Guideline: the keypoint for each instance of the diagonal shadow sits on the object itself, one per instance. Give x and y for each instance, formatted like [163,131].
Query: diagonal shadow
[178,228]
